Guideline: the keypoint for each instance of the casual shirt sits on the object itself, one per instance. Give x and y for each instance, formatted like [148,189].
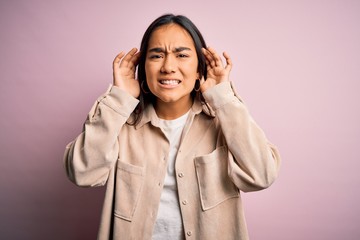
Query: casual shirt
[222,152]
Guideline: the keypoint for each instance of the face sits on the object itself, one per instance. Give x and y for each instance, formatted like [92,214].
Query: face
[171,65]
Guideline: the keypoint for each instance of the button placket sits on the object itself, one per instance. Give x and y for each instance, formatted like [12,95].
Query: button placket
[163,161]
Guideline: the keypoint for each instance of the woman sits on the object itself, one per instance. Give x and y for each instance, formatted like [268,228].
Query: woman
[174,147]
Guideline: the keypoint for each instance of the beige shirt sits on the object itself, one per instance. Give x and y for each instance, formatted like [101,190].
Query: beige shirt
[222,152]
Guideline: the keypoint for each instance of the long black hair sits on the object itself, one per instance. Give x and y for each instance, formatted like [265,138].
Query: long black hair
[199,42]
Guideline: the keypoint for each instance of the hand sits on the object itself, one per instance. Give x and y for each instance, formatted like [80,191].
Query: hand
[216,72]
[124,72]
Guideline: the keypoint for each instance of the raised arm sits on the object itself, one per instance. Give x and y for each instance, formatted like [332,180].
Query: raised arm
[253,161]
[90,157]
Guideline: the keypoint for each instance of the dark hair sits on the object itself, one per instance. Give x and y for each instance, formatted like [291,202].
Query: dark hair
[199,42]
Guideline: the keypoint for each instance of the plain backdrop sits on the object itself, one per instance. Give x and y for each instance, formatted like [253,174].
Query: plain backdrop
[296,65]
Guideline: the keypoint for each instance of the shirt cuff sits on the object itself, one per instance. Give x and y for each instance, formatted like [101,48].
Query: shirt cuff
[220,95]
[119,100]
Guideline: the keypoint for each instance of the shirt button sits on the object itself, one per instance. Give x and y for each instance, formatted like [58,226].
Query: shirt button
[181,175]
[189,233]
[184,202]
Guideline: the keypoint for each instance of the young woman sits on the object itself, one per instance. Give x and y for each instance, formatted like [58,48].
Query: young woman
[174,147]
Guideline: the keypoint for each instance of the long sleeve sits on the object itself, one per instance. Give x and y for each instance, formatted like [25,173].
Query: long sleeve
[89,158]
[253,161]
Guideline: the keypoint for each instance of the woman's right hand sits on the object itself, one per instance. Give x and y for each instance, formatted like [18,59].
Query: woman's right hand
[124,69]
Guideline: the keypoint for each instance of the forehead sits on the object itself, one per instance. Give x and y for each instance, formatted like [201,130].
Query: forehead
[171,35]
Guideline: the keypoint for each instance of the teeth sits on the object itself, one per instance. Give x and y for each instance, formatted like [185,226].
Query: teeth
[170,82]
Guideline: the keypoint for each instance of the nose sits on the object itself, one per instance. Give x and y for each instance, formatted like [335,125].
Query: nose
[169,64]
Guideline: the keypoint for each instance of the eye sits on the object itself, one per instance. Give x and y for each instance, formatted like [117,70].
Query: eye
[181,55]
[155,56]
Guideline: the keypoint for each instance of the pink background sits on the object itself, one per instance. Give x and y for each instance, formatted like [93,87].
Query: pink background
[296,64]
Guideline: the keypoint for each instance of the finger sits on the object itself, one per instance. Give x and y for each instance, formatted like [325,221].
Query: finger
[216,57]
[206,59]
[228,61]
[134,61]
[117,59]
[210,62]
[206,54]
[128,57]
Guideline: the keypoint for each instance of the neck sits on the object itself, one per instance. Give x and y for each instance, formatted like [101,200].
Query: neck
[172,110]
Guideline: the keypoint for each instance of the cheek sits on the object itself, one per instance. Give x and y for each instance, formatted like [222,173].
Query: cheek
[147,69]
[151,76]
[193,67]
[151,70]
[192,71]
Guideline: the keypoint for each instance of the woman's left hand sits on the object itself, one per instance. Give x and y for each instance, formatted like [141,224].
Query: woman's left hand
[216,71]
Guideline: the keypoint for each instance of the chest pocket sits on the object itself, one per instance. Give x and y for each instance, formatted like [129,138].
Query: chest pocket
[129,183]
[214,182]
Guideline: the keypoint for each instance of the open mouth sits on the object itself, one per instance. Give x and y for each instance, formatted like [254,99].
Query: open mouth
[171,82]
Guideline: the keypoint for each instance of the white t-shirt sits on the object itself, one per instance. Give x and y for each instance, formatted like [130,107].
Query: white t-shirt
[169,223]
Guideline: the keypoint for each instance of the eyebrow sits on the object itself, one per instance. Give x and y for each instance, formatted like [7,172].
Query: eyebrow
[162,50]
